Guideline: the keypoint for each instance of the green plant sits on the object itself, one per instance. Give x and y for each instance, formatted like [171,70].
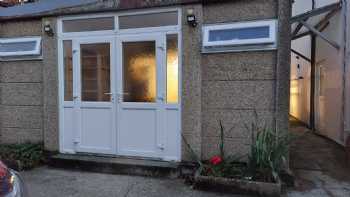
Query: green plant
[269,151]
[222,140]
[219,165]
[22,156]
[193,154]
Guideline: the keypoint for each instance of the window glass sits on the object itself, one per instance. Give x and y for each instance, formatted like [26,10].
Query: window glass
[172,69]
[20,46]
[95,71]
[89,24]
[239,33]
[139,67]
[68,70]
[148,20]
[17,46]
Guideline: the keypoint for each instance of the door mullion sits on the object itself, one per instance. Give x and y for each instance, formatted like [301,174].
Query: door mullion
[161,68]
[76,94]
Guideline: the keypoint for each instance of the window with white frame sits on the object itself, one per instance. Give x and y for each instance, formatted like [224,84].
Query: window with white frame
[88,24]
[158,19]
[256,33]
[29,46]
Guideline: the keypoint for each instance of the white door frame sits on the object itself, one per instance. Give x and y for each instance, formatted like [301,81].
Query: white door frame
[113,35]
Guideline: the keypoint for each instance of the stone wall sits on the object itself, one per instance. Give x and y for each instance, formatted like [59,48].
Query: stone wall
[235,85]
[221,86]
[50,89]
[21,88]
[191,83]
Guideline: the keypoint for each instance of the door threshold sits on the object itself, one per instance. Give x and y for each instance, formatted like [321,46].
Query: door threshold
[116,165]
[118,156]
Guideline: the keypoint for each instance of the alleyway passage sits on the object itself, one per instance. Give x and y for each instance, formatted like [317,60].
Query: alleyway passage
[319,165]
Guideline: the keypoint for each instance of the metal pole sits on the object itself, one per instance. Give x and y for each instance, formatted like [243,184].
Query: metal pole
[312,81]
[312,77]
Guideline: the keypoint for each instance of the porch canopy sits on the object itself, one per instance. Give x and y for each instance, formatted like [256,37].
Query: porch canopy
[314,21]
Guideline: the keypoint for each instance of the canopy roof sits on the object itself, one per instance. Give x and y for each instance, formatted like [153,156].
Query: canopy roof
[309,18]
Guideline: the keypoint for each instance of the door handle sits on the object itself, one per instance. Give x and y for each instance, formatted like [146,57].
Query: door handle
[161,97]
[110,94]
[161,48]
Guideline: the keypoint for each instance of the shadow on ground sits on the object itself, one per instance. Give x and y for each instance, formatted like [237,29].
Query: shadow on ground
[319,165]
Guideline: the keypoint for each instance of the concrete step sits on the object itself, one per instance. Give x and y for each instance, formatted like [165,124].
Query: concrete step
[119,165]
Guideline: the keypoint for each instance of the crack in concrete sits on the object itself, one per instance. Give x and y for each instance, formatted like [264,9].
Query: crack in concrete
[129,188]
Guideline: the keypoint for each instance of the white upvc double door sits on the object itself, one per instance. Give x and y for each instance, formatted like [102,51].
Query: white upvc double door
[119,97]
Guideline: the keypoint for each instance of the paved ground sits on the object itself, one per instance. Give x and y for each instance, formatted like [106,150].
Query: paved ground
[319,165]
[46,182]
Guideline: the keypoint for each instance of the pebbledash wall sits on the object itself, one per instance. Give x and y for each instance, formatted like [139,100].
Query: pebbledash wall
[219,86]
[21,83]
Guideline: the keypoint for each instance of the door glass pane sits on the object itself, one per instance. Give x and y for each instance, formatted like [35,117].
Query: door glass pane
[139,67]
[148,20]
[88,24]
[95,71]
[172,69]
[68,70]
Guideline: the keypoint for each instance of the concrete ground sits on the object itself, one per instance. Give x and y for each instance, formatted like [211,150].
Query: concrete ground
[319,165]
[48,182]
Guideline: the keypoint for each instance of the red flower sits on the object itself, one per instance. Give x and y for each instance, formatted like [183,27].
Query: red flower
[3,170]
[216,160]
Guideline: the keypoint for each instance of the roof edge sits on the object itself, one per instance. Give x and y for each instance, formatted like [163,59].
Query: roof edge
[103,6]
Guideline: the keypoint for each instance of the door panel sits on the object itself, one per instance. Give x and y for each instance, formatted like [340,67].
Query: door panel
[94,96]
[96,129]
[140,131]
[172,136]
[69,130]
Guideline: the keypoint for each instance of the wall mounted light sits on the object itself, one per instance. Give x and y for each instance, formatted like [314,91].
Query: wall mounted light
[48,29]
[191,18]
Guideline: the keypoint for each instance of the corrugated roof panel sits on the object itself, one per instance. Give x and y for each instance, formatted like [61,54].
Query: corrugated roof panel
[41,7]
